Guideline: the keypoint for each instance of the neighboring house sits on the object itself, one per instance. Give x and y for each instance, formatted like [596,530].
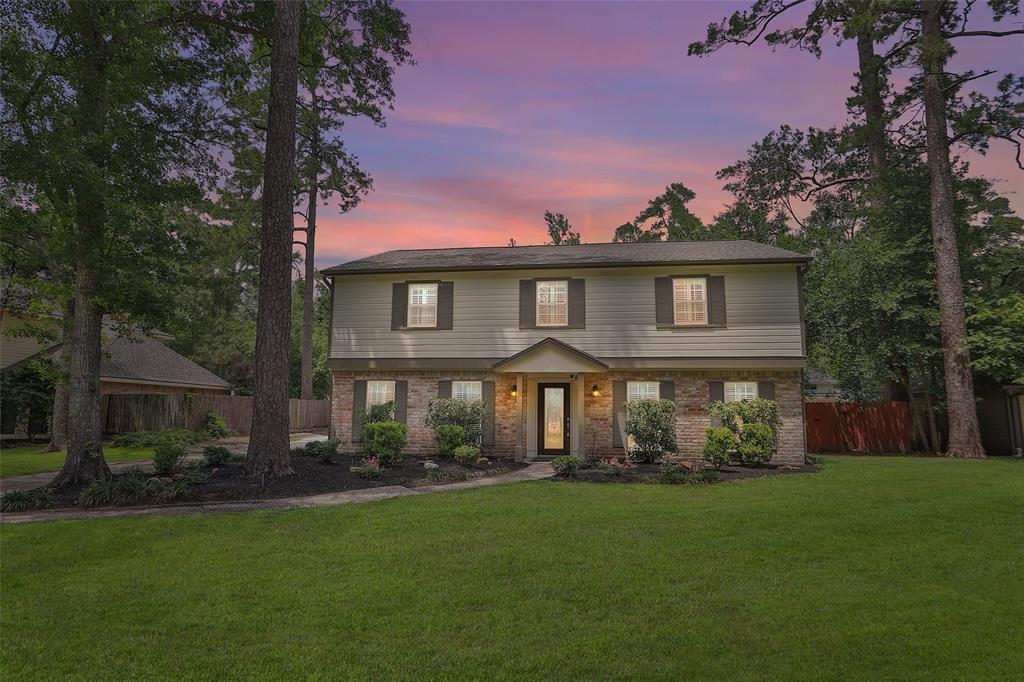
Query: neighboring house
[555,340]
[136,364]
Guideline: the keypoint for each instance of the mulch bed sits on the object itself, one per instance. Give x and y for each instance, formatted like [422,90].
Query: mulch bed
[649,473]
[313,477]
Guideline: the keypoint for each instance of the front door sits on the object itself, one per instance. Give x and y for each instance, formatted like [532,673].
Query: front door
[553,419]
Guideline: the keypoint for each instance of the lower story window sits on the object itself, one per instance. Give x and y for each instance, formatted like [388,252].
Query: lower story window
[379,392]
[467,390]
[740,390]
[641,390]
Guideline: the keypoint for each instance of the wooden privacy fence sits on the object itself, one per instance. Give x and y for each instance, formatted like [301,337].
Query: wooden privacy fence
[853,427]
[162,411]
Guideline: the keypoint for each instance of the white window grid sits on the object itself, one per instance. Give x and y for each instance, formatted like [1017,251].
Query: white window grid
[379,392]
[553,303]
[642,390]
[689,300]
[740,390]
[467,390]
[423,305]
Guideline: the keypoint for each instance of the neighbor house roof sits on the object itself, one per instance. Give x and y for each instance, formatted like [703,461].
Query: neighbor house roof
[574,255]
[143,358]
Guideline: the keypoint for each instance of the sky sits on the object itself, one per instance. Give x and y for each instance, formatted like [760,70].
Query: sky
[585,108]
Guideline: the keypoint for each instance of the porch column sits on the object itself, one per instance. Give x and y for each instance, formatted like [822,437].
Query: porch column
[520,449]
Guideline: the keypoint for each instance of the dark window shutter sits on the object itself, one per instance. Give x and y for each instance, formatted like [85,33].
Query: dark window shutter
[401,401]
[766,390]
[444,389]
[399,306]
[716,301]
[358,408]
[667,390]
[527,304]
[445,305]
[663,301]
[578,303]
[487,393]
[618,414]
[716,394]
[716,391]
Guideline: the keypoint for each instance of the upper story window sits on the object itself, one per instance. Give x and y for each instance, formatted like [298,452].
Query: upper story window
[690,300]
[423,305]
[467,390]
[553,303]
[740,390]
[642,390]
[379,392]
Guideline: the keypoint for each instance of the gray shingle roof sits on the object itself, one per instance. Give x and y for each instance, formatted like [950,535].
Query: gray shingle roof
[145,359]
[577,255]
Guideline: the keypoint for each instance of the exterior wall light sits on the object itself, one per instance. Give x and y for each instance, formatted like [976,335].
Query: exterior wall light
[514,392]
[595,391]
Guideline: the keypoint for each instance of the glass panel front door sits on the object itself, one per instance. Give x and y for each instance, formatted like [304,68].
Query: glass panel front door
[554,418]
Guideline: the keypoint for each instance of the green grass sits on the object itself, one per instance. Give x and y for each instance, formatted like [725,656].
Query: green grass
[26,459]
[875,568]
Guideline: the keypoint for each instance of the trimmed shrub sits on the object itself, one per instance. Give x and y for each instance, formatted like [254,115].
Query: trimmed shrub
[369,469]
[652,424]
[734,415]
[216,455]
[448,437]
[25,500]
[215,427]
[755,445]
[672,473]
[567,465]
[466,455]
[167,457]
[385,412]
[150,439]
[469,414]
[702,477]
[323,449]
[385,440]
[721,442]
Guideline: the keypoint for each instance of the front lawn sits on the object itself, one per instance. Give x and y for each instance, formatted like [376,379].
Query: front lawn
[874,568]
[26,459]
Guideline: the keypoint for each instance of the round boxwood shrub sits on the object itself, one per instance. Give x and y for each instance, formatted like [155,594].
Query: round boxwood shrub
[167,457]
[721,442]
[214,426]
[385,441]
[755,444]
[466,455]
[567,465]
[215,455]
[448,437]
[652,424]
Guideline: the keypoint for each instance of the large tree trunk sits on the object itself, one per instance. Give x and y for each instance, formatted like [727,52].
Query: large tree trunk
[964,434]
[84,461]
[59,421]
[872,83]
[269,454]
[309,288]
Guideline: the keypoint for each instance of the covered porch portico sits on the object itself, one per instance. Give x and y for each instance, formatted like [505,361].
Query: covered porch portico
[551,392]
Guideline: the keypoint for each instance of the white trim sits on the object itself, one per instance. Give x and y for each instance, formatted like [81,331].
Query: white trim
[735,385]
[684,285]
[555,304]
[426,308]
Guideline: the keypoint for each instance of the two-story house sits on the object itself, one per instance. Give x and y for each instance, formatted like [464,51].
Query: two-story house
[556,339]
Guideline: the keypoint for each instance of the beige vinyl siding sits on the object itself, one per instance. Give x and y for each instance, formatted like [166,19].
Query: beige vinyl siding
[761,302]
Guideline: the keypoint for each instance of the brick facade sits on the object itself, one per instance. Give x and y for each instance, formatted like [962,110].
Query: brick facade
[691,393]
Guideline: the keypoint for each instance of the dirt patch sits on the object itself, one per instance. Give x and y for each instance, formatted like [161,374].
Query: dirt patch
[313,477]
[652,473]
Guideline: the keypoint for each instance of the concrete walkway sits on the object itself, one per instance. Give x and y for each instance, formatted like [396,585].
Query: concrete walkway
[533,472]
[237,446]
